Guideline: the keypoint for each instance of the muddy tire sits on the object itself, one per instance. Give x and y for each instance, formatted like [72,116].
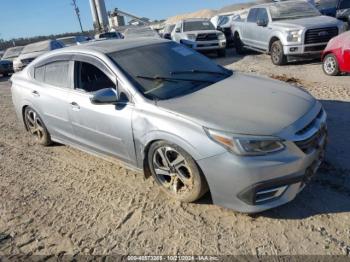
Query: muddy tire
[330,65]
[176,172]
[277,53]
[36,127]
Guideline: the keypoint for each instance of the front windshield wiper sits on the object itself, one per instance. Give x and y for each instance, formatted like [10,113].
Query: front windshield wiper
[172,79]
[196,71]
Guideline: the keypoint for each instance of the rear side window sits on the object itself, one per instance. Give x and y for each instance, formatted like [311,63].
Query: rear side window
[252,16]
[55,74]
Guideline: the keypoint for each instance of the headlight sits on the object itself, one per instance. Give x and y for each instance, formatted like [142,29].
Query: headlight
[191,37]
[294,36]
[221,36]
[246,145]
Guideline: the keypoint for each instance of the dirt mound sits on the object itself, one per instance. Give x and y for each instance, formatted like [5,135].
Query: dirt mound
[205,13]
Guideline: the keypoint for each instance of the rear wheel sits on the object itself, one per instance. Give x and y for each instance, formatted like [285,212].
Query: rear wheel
[176,172]
[330,65]
[277,54]
[36,127]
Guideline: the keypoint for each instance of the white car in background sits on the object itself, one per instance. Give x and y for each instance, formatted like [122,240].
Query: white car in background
[199,34]
[32,51]
[73,40]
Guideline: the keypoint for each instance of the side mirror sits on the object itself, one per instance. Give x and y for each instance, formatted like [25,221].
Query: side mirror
[105,96]
[177,30]
[262,22]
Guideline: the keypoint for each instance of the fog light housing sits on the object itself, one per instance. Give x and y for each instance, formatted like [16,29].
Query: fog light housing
[293,49]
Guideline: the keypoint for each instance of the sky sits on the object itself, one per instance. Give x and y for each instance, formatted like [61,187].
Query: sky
[25,18]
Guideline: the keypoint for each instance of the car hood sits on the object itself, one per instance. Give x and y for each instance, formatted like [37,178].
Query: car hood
[308,22]
[203,32]
[244,104]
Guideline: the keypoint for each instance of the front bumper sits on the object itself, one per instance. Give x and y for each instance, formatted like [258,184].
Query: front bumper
[205,45]
[314,50]
[252,184]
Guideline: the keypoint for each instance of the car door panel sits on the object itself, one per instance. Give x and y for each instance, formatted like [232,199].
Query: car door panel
[105,128]
[52,102]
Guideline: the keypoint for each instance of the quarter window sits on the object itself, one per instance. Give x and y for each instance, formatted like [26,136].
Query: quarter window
[90,79]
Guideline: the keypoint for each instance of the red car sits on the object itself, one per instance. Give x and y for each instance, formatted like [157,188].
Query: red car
[336,56]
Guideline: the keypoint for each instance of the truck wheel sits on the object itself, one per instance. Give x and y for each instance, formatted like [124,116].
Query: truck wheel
[221,52]
[239,45]
[330,65]
[277,55]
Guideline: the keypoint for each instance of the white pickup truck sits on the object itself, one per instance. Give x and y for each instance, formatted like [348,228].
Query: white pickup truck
[286,30]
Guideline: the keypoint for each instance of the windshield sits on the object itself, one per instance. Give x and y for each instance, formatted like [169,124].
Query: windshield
[12,52]
[292,10]
[198,26]
[223,20]
[168,70]
[140,32]
[68,41]
[169,28]
[344,4]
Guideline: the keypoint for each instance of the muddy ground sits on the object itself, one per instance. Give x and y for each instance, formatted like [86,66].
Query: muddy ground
[58,200]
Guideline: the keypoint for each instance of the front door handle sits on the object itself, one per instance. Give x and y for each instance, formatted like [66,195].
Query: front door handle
[35,93]
[75,106]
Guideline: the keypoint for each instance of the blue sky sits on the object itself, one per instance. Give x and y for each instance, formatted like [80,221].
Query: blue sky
[25,18]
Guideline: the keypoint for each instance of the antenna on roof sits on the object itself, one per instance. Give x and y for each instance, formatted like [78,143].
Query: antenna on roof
[77,12]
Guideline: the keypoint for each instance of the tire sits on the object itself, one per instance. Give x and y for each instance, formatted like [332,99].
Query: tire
[221,52]
[239,45]
[176,172]
[330,65]
[36,127]
[277,54]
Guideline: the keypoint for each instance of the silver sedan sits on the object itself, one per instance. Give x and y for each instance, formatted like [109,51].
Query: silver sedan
[171,112]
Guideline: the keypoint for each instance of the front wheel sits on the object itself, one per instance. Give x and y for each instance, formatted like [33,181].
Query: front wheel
[176,172]
[36,127]
[239,45]
[277,54]
[330,65]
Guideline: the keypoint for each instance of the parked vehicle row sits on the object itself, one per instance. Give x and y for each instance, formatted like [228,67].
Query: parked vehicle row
[6,62]
[164,108]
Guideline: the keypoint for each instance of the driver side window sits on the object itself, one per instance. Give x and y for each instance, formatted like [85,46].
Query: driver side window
[89,78]
[262,15]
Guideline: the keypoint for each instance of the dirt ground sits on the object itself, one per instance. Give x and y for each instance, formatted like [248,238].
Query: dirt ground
[58,200]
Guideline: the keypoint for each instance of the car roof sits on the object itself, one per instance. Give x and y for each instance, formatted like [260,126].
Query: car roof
[195,19]
[114,45]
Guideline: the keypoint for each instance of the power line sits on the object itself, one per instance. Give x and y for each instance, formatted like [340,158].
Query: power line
[77,12]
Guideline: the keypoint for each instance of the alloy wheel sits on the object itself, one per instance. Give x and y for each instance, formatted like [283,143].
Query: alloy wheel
[330,65]
[34,124]
[172,170]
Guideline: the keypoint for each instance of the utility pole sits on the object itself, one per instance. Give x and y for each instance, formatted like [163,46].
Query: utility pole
[77,12]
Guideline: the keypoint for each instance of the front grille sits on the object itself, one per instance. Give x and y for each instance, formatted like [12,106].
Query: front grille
[207,37]
[320,35]
[312,142]
[315,48]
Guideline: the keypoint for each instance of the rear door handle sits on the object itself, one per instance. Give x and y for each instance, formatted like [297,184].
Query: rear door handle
[35,93]
[75,106]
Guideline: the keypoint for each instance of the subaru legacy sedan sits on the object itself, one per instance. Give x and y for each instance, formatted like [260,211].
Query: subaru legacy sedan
[171,112]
